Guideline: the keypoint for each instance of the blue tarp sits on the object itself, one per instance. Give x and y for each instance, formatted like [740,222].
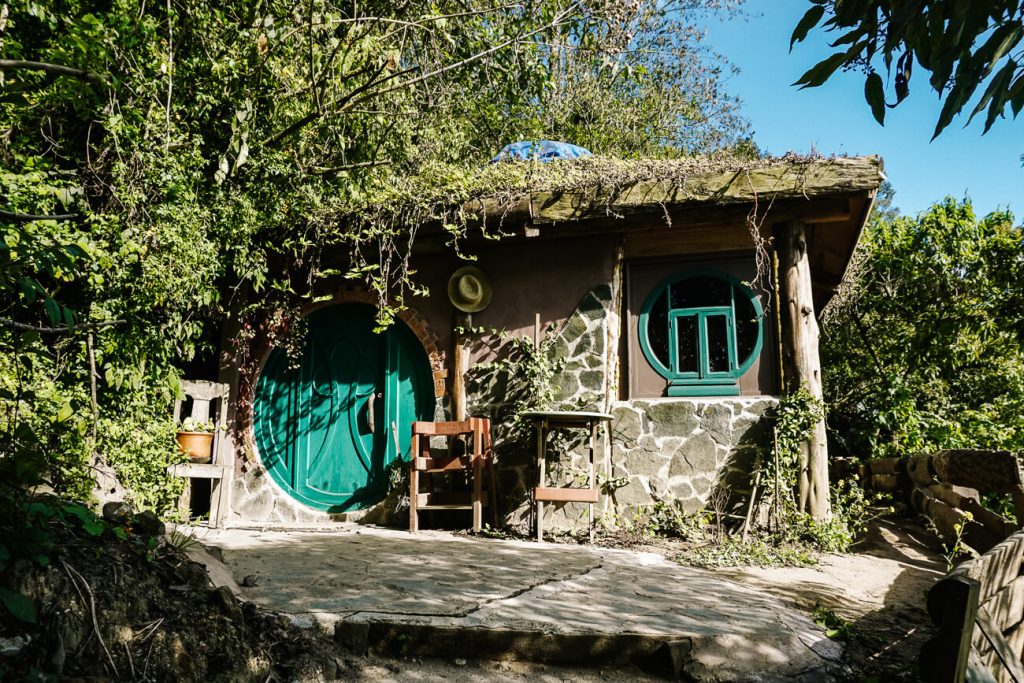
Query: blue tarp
[541,150]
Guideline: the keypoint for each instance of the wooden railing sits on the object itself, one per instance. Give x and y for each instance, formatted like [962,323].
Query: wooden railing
[978,610]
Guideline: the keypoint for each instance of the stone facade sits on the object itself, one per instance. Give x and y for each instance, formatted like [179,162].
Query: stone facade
[684,450]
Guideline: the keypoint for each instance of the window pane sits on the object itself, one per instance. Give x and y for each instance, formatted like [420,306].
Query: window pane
[657,329]
[686,343]
[696,292]
[718,343]
[747,326]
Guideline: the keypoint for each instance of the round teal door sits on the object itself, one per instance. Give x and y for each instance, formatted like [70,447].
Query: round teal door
[328,426]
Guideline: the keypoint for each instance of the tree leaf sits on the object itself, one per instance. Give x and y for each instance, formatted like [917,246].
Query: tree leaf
[20,606]
[820,72]
[874,93]
[809,21]
[65,412]
[52,310]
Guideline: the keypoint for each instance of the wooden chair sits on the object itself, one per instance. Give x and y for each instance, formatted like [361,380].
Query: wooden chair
[469,451]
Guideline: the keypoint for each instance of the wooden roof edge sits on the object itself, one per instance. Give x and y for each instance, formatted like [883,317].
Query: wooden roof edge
[799,179]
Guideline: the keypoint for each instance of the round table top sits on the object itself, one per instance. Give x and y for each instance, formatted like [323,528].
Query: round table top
[566,415]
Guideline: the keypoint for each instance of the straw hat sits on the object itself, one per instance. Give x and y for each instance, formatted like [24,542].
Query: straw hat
[469,289]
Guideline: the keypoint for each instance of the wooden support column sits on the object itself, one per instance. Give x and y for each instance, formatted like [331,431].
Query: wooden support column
[460,364]
[801,361]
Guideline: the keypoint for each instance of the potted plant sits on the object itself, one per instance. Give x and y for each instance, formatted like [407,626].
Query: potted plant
[195,439]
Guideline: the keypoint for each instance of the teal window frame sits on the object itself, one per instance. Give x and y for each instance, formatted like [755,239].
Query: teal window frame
[704,381]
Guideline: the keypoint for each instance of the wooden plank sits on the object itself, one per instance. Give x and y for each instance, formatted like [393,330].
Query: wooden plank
[447,500]
[952,605]
[1015,639]
[1010,662]
[996,568]
[197,470]
[463,462]
[977,671]
[686,239]
[565,495]
[1007,605]
[203,390]
[456,428]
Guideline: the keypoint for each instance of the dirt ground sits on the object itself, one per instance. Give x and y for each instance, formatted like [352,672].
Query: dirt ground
[162,621]
[876,594]
[879,591]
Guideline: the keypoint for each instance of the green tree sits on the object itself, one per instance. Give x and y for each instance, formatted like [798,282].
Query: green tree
[927,349]
[962,45]
[163,161]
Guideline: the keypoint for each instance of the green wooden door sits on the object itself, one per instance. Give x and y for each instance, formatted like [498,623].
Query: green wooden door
[328,426]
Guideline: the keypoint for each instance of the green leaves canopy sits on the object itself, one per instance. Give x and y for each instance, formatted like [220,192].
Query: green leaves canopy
[927,350]
[966,47]
[192,156]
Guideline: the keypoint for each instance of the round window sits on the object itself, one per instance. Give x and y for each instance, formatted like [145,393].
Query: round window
[701,331]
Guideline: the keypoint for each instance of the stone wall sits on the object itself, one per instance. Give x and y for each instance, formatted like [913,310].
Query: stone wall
[257,500]
[684,449]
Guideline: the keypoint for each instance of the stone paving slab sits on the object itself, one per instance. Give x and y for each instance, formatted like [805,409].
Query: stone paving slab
[512,598]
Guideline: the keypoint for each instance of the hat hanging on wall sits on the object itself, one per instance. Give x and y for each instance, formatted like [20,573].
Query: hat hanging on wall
[469,289]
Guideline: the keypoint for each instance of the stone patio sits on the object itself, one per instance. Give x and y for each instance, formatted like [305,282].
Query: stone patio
[445,595]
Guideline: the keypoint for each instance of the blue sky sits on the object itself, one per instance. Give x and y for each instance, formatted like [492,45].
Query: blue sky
[835,118]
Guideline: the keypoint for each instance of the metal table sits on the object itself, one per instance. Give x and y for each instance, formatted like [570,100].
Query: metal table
[543,422]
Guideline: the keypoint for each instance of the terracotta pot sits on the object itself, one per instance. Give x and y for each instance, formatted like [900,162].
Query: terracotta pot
[196,445]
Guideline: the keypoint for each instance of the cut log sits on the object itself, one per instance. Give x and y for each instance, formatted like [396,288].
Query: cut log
[886,466]
[946,518]
[987,471]
[996,524]
[886,483]
[920,470]
[801,361]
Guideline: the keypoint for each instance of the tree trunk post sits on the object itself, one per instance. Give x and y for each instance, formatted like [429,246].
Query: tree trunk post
[801,361]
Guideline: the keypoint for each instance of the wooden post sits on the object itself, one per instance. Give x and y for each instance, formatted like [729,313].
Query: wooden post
[953,606]
[542,427]
[802,364]
[460,359]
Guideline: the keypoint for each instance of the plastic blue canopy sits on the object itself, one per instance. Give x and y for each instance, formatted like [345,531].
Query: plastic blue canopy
[541,150]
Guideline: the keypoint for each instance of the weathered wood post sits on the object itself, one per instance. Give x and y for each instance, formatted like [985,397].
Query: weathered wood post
[801,362]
